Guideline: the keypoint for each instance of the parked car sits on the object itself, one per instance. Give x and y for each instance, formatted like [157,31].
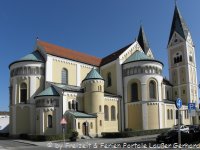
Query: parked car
[194,128]
[183,128]
[171,136]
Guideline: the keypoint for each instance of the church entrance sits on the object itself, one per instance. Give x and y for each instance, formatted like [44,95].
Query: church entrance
[85,128]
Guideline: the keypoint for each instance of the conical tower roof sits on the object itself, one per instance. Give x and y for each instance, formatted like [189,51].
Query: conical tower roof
[178,25]
[142,40]
[93,74]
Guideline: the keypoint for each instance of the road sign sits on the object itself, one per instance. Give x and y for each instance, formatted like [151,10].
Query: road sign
[191,106]
[178,103]
[63,121]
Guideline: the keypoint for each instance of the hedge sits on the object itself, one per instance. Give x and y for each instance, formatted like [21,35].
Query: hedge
[131,133]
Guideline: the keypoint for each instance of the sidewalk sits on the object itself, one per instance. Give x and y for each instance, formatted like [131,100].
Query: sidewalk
[93,141]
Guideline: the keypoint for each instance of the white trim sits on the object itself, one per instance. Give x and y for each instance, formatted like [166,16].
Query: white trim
[78,75]
[71,62]
[160,116]
[129,51]
[144,117]
[107,98]
[32,86]
[119,78]
[49,68]
[14,92]
[26,64]
[165,114]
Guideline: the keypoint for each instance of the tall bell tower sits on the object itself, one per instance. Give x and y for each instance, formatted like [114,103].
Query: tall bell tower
[181,59]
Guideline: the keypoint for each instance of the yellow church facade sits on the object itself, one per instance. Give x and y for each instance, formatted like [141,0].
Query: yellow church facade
[124,90]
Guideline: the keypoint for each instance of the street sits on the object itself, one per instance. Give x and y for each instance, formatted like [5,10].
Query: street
[13,145]
[100,143]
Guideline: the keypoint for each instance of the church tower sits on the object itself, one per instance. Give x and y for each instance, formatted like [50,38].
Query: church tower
[182,63]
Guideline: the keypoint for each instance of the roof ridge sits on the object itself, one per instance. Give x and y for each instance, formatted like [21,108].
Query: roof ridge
[60,51]
[111,57]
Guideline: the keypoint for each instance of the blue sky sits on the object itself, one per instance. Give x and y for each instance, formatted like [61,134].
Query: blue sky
[96,27]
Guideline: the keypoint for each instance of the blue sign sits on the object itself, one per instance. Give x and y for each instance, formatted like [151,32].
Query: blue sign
[178,103]
[191,106]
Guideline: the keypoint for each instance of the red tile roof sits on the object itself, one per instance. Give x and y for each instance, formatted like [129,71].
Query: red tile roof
[78,56]
[70,54]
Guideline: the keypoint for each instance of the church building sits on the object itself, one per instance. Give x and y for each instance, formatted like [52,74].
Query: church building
[124,90]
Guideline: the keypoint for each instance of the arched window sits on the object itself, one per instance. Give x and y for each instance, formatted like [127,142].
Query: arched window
[109,80]
[180,58]
[99,108]
[23,93]
[171,114]
[152,90]
[73,104]
[64,78]
[113,113]
[79,125]
[50,121]
[134,92]
[91,125]
[99,88]
[100,122]
[168,114]
[69,105]
[167,95]
[106,113]
[76,106]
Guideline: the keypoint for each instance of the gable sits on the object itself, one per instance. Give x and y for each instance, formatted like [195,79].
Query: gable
[129,51]
[175,39]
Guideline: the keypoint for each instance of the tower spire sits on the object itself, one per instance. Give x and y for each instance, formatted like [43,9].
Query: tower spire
[178,24]
[142,40]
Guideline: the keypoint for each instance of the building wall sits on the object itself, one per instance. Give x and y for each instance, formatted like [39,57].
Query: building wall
[91,126]
[84,70]
[129,89]
[104,72]
[23,120]
[170,121]
[134,116]
[50,131]
[153,116]
[77,71]
[93,95]
[57,67]
[38,123]
[111,125]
